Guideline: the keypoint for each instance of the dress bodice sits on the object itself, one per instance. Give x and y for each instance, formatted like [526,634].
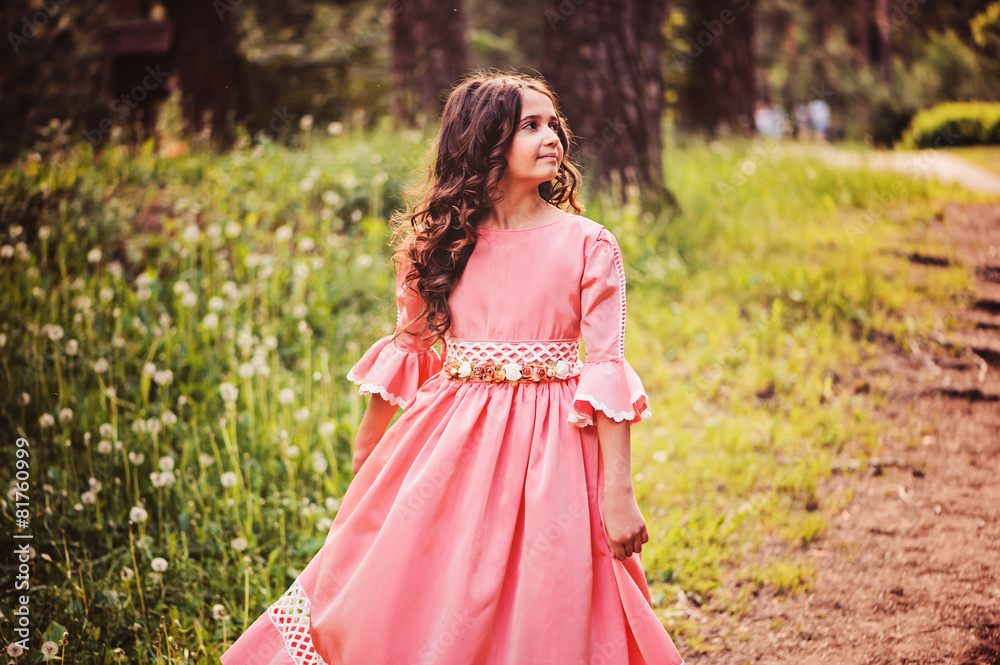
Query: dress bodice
[526,297]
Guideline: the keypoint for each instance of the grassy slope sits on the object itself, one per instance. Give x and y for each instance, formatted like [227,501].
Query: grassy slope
[768,283]
[746,325]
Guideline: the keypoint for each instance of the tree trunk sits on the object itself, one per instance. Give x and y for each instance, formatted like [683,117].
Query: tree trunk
[885,44]
[720,94]
[428,54]
[604,62]
[207,42]
[864,18]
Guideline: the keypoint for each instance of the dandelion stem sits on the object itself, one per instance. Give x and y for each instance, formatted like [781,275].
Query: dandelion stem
[246,596]
[135,567]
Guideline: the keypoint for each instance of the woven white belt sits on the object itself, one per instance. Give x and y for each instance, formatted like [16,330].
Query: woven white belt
[487,360]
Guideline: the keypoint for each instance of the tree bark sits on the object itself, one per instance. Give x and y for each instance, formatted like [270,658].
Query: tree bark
[720,93]
[885,36]
[864,18]
[428,54]
[604,62]
[207,43]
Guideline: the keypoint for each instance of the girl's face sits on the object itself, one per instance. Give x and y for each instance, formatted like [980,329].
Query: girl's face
[535,153]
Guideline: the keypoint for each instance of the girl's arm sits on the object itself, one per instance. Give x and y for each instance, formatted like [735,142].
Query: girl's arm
[394,366]
[373,425]
[624,525]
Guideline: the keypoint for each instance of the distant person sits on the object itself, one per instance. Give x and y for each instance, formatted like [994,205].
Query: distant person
[770,120]
[803,125]
[780,122]
[763,117]
[819,115]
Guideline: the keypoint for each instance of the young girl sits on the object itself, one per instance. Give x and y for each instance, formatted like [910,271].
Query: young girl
[494,523]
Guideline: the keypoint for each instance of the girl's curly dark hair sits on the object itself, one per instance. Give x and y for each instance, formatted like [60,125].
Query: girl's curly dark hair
[466,164]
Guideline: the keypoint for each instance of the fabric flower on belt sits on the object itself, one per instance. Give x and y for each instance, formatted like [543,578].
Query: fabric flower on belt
[512,372]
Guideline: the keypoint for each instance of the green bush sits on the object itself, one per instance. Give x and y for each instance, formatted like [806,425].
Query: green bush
[954,124]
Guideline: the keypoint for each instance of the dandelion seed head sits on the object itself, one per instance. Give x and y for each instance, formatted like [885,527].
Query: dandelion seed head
[229,392]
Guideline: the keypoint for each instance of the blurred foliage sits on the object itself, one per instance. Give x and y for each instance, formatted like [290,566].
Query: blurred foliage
[955,124]
[814,51]
[50,68]
[985,27]
[330,61]
[139,291]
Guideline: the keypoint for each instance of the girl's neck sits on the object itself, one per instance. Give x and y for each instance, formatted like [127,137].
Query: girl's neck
[520,216]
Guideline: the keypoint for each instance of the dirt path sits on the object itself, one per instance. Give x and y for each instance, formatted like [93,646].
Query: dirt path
[909,571]
[919,164]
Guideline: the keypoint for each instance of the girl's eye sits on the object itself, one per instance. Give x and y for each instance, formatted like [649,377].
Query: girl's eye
[553,125]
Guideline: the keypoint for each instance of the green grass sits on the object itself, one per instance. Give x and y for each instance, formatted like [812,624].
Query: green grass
[748,324]
[771,281]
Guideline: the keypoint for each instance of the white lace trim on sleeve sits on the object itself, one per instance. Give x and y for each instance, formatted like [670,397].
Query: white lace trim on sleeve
[604,235]
[580,420]
[369,388]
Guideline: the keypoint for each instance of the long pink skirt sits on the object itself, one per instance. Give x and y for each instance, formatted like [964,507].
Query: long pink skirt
[472,535]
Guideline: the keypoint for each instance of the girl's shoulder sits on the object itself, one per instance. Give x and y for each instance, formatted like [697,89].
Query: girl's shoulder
[591,233]
[585,227]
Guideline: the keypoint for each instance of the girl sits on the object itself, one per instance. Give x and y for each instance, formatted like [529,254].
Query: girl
[494,522]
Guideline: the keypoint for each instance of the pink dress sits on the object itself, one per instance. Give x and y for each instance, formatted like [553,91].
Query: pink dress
[473,533]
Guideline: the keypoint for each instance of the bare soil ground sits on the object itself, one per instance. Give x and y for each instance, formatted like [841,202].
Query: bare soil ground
[909,570]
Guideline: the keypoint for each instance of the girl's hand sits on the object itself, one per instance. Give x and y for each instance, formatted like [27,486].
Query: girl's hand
[624,525]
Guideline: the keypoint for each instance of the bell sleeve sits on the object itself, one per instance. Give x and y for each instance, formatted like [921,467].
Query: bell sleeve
[395,369]
[607,382]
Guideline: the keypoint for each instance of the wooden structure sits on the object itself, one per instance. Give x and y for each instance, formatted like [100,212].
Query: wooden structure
[139,54]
